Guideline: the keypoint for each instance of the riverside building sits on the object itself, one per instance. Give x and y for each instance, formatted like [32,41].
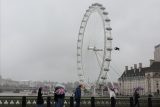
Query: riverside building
[146,79]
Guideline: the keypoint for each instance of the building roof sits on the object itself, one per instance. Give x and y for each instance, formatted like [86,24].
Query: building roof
[155,67]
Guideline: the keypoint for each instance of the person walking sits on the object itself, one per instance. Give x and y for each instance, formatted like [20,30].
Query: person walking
[136,98]
[40,100]
[78,95]
[112,96]
[59,95]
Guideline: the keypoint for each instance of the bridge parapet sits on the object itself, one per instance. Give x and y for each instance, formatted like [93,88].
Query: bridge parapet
[16,101]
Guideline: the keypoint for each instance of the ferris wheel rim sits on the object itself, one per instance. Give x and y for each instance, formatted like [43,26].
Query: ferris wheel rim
[107,37]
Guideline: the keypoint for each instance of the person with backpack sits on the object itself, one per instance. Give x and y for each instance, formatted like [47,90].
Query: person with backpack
[40,100]
[78,95]
[59,95]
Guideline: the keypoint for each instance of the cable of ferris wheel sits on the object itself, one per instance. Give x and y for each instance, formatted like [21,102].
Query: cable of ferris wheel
[110,80]
[98,59]
[115,66]
[112,67]
[115,71]
[107,73]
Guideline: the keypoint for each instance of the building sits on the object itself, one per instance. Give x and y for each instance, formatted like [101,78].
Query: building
[8,83]
[145,79]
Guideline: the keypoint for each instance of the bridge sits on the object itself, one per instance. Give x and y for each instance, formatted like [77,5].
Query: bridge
[30,101]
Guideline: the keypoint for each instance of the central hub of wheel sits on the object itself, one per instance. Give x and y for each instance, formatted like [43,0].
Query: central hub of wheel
[94,48]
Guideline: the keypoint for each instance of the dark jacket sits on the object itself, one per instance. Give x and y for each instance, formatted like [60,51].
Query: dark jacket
[136,96]
[78,93]
[56,97]
[40,98]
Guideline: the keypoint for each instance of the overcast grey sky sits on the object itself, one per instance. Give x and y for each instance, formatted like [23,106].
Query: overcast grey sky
[38,37]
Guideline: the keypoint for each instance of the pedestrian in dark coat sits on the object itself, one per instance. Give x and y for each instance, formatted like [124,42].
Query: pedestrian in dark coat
[78,95]
[40,100]
[136,99]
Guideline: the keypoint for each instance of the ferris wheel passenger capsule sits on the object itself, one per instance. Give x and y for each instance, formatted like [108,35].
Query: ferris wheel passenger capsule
[107,20]
[109,49]
[109,38]
[105,13]
[108,28]
[103,8]
[108,59]
[103,77]
[106,69]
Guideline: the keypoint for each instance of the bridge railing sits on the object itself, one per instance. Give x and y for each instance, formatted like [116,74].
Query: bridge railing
[30,101]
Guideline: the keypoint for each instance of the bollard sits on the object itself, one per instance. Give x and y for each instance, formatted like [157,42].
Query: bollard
[92,102]
[131,102]
[113,102]
[149,102]
[24,101]
[48,101]
[71,102]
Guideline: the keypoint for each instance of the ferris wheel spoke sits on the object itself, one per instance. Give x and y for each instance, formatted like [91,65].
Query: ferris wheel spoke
[94,49]
[110,79]
[98,59]
[100,65]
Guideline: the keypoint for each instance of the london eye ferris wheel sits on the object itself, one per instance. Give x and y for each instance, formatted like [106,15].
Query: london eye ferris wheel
[100,51]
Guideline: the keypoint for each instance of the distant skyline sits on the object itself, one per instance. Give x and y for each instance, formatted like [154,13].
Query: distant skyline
[38,38]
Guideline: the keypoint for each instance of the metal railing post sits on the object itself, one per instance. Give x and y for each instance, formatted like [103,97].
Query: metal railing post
[149,101]
[71,102]
[113,102]
[92,102]
[24,101]
[48,101]
[131,102]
